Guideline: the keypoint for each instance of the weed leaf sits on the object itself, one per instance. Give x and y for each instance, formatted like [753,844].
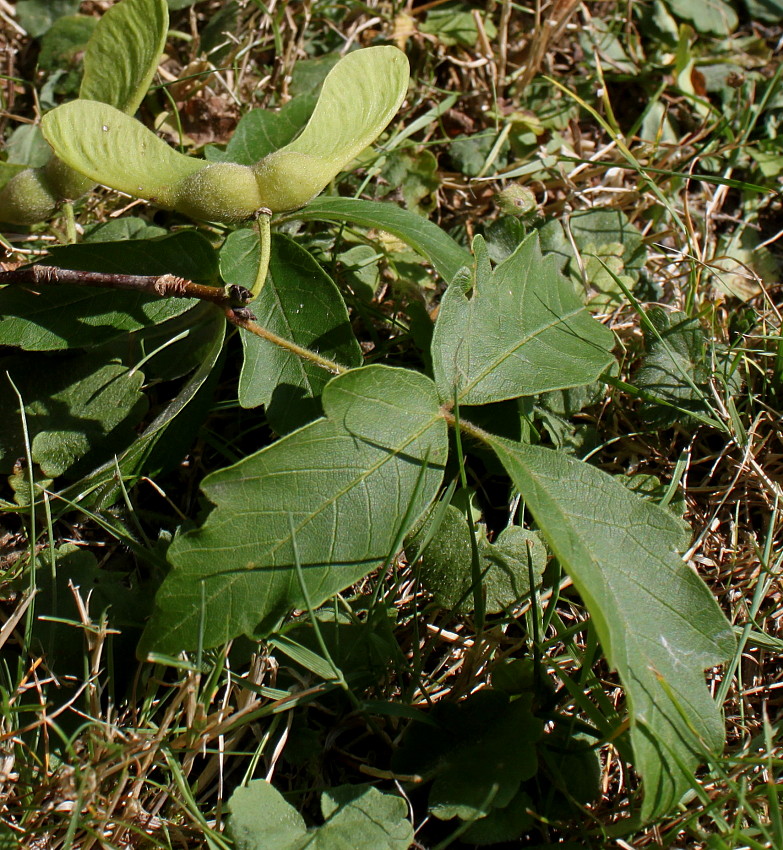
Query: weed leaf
[675,369]
[355,816]
[479,752]
[520,330]
[262,131]
[346,482]
[74,407]
[658,623]
[37,16]
[161,442]
[434,244]
[446,569]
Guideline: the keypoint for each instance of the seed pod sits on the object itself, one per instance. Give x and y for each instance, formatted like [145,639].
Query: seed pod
[223,191]
[64,182]
[27,198]
[287,180]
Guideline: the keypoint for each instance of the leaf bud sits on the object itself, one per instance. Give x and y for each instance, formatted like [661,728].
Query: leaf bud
[516,200]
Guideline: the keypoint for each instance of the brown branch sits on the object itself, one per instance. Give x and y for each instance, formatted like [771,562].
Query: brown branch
[163,286]
[232,299]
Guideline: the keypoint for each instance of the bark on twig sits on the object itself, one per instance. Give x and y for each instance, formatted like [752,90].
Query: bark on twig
[162,286]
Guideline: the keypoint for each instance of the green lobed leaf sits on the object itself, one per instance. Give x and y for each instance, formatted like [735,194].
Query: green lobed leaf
[346,482]
[415,173]
[455,23]
[769,11]
[9,170]
[300,303]
[115,593]
[116,150]
[520,331]
[120,229]
[707,16]
[26,146]
[658,624]
[261,819]
[75,316]
[308,75]
[63,48]
[363,816]
[426,238]
[360,96]
[502,825]
[355,816]
[600,228]
[122,56]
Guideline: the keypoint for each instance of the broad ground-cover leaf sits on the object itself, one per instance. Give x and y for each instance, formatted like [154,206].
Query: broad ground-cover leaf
[300,303]
[770,11]
[446,563]
[62,49]
[74,407]
[340,486]
[164,440]
[56,317]
[712,16]
[117,593]
[446,255]
[675,367]
[657,621]
[262,131]
[36,16]
[478,753]
[354,815]
[415,173]
[520,330]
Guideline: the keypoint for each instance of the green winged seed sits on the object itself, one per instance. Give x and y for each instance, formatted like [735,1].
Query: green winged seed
[120,60]
[359,98]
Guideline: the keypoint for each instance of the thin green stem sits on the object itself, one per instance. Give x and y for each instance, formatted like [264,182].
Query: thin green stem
[264,230]
[70,223]
[236,317]
[31,538]
[475,564]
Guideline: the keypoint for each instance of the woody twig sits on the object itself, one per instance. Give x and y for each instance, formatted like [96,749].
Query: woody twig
[162,286]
